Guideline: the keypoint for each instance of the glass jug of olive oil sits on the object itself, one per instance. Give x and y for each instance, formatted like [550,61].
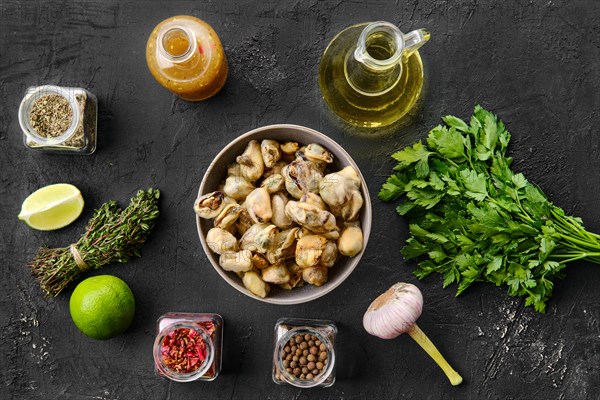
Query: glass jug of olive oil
[371,74]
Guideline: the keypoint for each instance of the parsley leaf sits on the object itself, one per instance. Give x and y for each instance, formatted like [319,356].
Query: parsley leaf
[471,218]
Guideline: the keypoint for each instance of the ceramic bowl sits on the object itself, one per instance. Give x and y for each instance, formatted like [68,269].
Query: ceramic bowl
[217,172]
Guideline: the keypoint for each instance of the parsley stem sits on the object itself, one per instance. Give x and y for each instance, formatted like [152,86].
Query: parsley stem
[582,243]
[565,258]
[569,224]
[596,254]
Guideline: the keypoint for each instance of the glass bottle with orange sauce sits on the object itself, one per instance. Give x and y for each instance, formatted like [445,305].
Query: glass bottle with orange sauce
[185,55]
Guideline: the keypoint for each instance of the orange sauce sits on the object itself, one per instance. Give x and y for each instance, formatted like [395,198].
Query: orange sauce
[176,43]
[185,55]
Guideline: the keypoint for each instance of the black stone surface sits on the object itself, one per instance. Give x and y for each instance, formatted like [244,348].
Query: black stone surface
[536,64]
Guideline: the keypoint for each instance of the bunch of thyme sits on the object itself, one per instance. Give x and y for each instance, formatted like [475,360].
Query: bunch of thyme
[113,235]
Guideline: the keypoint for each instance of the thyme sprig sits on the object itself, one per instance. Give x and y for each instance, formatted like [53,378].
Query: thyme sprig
[471,218]
[112,235]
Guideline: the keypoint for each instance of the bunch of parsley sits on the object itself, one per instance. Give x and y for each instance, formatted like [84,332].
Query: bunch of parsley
[471,218]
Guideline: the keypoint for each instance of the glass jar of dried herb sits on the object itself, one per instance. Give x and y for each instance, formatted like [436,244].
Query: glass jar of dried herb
[188,346]
[304,353]
[57,119]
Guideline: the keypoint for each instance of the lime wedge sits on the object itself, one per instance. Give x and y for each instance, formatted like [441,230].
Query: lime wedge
[52,207]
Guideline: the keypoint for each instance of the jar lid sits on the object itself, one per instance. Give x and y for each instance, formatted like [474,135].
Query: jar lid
[32,95]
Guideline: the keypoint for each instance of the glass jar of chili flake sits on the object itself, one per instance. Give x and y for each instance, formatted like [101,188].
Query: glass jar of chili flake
[188,346]
[294,361]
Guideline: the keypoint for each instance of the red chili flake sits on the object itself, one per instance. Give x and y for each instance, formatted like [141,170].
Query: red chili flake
[209,327]
[183,350]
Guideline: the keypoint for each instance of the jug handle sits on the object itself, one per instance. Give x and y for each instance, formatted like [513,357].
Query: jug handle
[414,40]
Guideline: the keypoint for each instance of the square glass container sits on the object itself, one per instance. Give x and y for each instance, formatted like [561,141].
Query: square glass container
[209,327]
[287,329]
[79,138]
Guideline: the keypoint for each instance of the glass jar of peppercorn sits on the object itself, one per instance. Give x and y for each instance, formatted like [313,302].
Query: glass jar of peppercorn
[304,353]
[188,346]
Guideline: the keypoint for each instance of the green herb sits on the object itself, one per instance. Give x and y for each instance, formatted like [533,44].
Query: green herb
[471,218]
[51,115]
[113,235]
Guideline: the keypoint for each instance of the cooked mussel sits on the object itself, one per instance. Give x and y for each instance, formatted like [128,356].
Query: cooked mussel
[244,222]
[310,216]
[209,205]
[289,147]
[309,250]
[228,215]
[251,162]
[236,261]
[258,204]
[350,242]
[237,187]
[317,153]
[248,240]
[234,169]
[255,284]
[314,199]
[283,241]
[316,275]
[264,239]
[277,274]
[295,274]
[270,152]
[329,256]
[337,188]
[350,210]
[219,240]
[274,183]
[260,261]
[301,176]
[280,218]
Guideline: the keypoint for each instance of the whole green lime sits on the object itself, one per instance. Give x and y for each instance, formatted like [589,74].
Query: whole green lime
[102,306]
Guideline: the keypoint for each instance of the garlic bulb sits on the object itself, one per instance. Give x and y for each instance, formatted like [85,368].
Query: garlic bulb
[396,312]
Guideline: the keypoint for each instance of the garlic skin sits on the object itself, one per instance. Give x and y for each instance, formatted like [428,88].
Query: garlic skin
[394,312]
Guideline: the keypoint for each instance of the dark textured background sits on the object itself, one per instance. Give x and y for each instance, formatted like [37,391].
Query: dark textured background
[536,64]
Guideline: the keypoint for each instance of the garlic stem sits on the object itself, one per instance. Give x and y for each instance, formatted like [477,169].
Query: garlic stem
[421,338]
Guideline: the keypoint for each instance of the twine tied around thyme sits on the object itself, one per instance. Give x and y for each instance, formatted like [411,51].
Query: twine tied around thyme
[78,259]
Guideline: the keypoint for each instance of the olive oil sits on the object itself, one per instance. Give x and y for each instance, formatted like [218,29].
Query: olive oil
[368,78]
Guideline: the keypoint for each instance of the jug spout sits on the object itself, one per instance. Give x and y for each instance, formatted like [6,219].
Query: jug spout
[382,45]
